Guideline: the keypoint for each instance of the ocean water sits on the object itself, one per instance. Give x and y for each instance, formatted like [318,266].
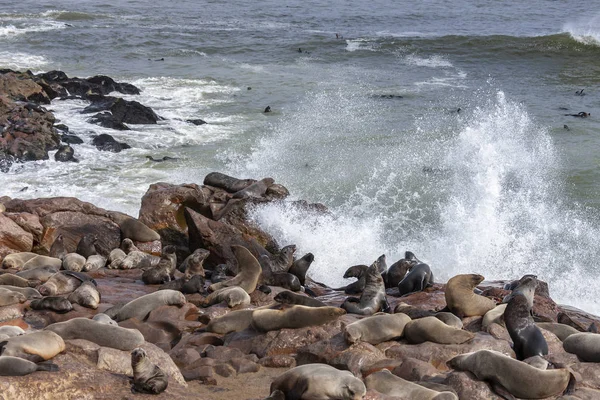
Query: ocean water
[367,123]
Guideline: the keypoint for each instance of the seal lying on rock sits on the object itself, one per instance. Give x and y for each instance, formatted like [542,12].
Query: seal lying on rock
[319,381]
[73,262]
[165,268]
[28,292]
[294,317]
[387,383]
[102,334]
[8,297]
[147,377]
[226,182]
[461,299]
[42,261]
[518,378]
[94,263]
[52,303]
[219,273]
[376,329]
[143,305]
[234,321]
[373,297]
[86,295]
[495,315]
[63,282]
[17,260]
[234,296]
[134,229]
[419,277]
[398,270]
[431,329]
[287,297]
[34,346]
[104,319]
[13,280]
[584,345]
[41,274]
[11,331]
[186,286]
[250,271]
[15,366]
[562,331]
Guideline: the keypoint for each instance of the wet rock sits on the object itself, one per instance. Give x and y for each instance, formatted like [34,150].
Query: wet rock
[22,87]
[70,139]
[65,153]
[13,238]
[197,121]
[108,120]
[132,112]
[578,319]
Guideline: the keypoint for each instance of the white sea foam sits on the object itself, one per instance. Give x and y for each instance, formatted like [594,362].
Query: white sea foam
[21,60]
[360,44]
[435,61]
[8,31]
[585,30]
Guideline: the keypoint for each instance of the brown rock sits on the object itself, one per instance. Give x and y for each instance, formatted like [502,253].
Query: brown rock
[23,88]
[224,370]
[356,357]
[244,366]
[589,373]
[576,318]
[184,357]
[278,361]
[222,353]
[13,238]
[29,223]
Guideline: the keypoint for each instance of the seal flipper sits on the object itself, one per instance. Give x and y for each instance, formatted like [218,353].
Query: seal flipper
[47,366]
[309,292]
[385,306]
[502,391]
[2,344]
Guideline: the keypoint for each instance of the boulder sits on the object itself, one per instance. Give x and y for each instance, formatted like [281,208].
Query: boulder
[13,238]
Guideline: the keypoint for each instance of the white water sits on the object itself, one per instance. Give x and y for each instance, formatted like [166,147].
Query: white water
[585,30]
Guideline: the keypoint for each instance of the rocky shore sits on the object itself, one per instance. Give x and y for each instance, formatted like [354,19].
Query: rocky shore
[223,309]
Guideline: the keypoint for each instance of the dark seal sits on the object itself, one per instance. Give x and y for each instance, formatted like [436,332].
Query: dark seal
[87,245]
[419,277]
[301,265]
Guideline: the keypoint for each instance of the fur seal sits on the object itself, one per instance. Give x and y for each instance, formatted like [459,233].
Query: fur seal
[359,272]
[186,286]
[226,182]
[250,271]
[294,317]
[255,190]
[562,331]
[195,263]
[300,267]
[518,378]
[87,245]
[41,274]
[527,338]
[94,263]
[35,346]
[86,295]
[102,334]
[234,321]
[233,296]
[418,278]
[60,283]
[52,303]
[283,261]
[104,319]
[398,270]
[373,297]
[134,258]
[431,329]
[287,297]
[461,299]
[376,329]
[585,345]
[143,305]
[147,377]
[115,258]
[413,312]
[285,280]
[219,273]
[389,384]
[165,268]
[28,292]
[15,366]
[13,280]
[17,260]
[133,229]
[319,381]
[73,262]
[8,297]
[57,250]
[495,315]
[42,261]
[10,330]
[449,319]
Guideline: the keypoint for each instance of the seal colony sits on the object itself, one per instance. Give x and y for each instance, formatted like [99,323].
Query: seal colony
[194,291]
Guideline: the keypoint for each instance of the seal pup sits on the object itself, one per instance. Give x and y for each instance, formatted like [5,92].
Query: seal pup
[376,329]
[373,296]
[419,277]
[234,321]
[52,303]
[359,272]
[250,271]
[143,305]
[518,378]
[183,266]
[134,258]
[319,381]
[398,270]
[10,330]
[527,337]
[461,299]
[87,245]
[283,261]
[389,384]
[57,250]
[86,295]
[165,268]
[94,263]
[585,345]
[17,260]
[431,329]
[288,297]
[147,377]
[35,346]
[115,258]
[233,296]
[102,334]
[300,267]
[15,366]
[294,317]
[195,263]
[8,297]
[73,262]
[219,273]
[186,286]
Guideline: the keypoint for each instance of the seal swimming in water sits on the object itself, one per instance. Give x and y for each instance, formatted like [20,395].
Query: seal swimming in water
[147,377]
[373,297]
[527,338]
[461,299]
[319,381]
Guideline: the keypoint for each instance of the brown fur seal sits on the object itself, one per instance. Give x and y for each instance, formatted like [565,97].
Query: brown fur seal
[219,273]
[17,260]
[283,261]
[134,257]
[132,228]
[418,278]
[57,250]
[11,331]
[287,297]
[449,319]
[234,321]
[319,381]
[42,261]
[495,315]
[389,384]
[527,338]
[13,280]
[431,329]
[518,378]
[373,297]
[102,334]
[142,306]
[15,366]
[294,317]
[35,346]
[376,329]
[73,262]
[115,258]
[8,297]
[398,270]
[186,286]
[195,263]
[227,182]
[87,245]
[86,295]
[360,273]
[255,190]
[41,274]
[285,280]
[165,268]
[461,299]
[300,267]
[94,263]
[52,303]
[60,283]
[413,312]
[147,377]
[562,331]
[233,296]
[28,292]
[584,345]
[250,271]
[104,319]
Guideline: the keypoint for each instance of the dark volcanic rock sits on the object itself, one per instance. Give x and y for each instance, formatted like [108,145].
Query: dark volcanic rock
[105,142]
[132,112]
[70,139]
[65,153]
[99,103]
[108,120]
